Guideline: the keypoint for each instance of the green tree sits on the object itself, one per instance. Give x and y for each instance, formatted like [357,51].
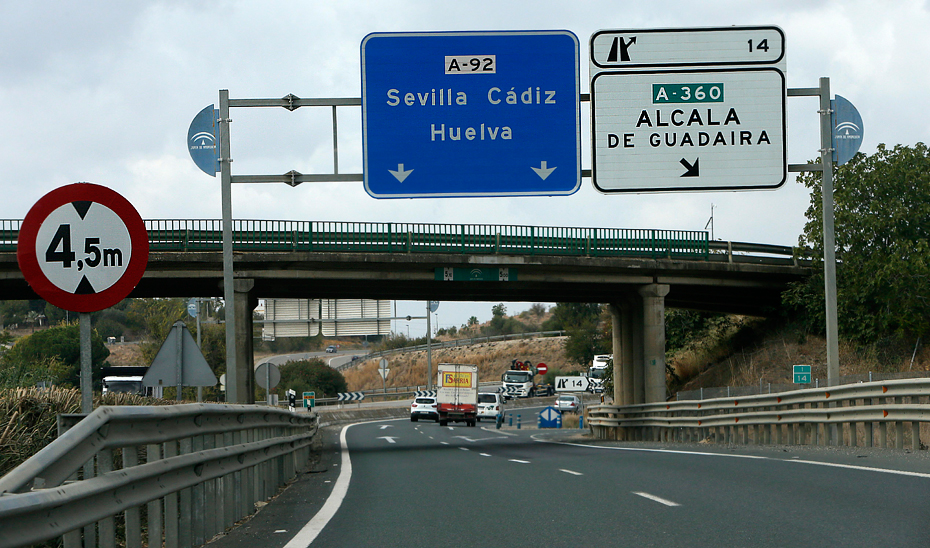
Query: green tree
[882,227]
[155,317]
[306,375]
[585,329]
[57,343]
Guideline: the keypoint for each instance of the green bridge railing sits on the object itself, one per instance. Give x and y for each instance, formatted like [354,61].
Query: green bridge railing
[331,236]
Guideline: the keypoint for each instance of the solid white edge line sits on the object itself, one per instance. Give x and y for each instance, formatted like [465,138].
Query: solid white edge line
[309,532]
[660,500]
[702,453]
[864,468]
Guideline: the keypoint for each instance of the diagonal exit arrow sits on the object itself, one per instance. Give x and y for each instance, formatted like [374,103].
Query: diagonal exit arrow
[694,169]
[400,174]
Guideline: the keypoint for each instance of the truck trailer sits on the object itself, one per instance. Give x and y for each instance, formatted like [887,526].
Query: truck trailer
[457,393]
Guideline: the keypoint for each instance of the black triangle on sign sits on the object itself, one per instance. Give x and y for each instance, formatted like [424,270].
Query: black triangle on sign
[612,54]
[84,288]
[82,207]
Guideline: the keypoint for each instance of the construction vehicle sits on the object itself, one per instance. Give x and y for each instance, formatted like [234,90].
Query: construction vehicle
[518,381]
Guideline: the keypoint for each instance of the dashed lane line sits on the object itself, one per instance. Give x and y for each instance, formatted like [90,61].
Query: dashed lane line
[660,500]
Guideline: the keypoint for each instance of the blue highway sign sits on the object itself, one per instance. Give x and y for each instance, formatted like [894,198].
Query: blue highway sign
[471,114]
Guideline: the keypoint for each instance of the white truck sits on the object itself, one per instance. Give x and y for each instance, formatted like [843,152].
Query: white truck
[518,381]
[457,393]
[597,371]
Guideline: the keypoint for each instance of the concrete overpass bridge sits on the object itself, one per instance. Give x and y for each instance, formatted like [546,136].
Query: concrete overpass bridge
[639,272]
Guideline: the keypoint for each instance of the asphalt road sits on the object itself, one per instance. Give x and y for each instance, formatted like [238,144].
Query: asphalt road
[397,483]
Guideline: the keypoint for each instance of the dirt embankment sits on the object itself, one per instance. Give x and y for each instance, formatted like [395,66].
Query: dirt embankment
[492,359]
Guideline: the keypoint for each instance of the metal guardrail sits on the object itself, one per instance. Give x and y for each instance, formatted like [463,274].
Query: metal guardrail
[460,342]
[800,417]
[195,469]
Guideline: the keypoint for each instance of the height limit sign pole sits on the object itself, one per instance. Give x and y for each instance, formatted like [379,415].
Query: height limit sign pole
[83,248]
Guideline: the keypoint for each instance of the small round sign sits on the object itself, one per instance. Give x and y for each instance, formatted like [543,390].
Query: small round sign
[83,247]
[541,368]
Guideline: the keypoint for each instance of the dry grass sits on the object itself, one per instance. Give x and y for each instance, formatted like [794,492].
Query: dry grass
[772,358]
[28,418]
[492,359]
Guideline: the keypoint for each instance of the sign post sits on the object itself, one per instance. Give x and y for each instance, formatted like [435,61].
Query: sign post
[471,114]
[83,247]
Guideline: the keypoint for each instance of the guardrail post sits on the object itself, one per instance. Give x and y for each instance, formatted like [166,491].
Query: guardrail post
[882,429]
[154,510]
[853,427]
[172,512]
[133,515]
[899,430]
[210,496]
[184,503]
[107,526]
[198,503]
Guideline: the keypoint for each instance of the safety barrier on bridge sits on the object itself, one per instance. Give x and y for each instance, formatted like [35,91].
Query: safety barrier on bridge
[180,473]
[361,237]
[870,412]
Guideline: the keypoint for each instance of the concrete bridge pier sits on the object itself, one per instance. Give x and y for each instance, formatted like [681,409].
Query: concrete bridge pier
[654,341]
[638,333]
[246,301]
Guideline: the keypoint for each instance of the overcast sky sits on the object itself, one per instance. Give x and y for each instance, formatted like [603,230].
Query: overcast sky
[105,91]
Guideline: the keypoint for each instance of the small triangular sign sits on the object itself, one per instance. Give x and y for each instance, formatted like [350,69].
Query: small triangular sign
[195,369]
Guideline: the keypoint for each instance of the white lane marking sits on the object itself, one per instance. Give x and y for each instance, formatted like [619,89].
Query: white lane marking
[472,440]
[756,457]
[464,449]
[660,500]
[390,439]
[484,454]
[383,426]
[572,472]
[444,442]
[864,468]
[281,531]
[520,461]
[502,432]
[311,530]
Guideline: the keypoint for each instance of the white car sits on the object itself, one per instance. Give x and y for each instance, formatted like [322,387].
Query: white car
[424,407]
[568,402]
[491,406]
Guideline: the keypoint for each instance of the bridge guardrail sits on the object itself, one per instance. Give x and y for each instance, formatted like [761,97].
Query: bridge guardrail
[196,468]
[317,236]
[364,237]
[799,417]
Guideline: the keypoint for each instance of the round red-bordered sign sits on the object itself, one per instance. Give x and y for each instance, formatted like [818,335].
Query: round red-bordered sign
[542,368]
[83,247]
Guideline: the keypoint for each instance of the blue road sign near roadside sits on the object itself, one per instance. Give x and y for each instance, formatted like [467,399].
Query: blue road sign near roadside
[458,114]
[550,417]
[202,141]
[847,130]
